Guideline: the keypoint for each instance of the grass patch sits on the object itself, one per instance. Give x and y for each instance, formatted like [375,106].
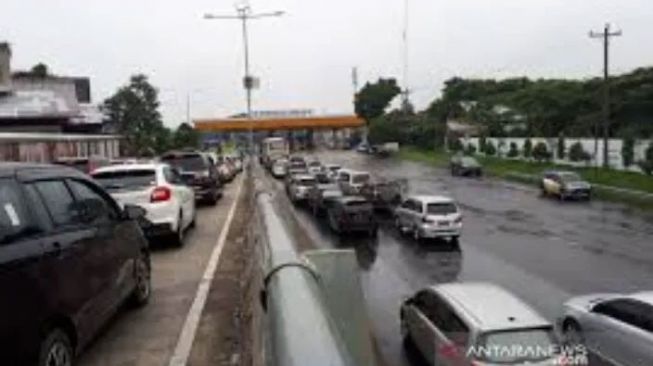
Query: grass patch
[506,169]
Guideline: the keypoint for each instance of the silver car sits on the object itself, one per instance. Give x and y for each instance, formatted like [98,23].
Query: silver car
[300,186]
[615,327]
[429,217]
[477,324]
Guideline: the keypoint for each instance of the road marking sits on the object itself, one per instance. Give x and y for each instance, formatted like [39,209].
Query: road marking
[187,336]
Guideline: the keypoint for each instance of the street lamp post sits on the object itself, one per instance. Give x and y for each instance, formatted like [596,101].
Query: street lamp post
[244,13]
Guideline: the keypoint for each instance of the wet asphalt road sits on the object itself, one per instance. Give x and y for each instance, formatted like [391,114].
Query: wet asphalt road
[543,250]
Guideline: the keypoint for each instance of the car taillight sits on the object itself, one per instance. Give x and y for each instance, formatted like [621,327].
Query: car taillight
[458,219]
[160,194]
[425,219]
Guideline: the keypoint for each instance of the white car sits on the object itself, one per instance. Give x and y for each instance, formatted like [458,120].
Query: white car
[159,189]
[477,324]
[429,217]
[351,182]
[332,170]
[616,327]
[314,167]
[279,168]
[300,186]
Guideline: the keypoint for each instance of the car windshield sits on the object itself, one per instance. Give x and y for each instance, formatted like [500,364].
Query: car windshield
[359,205]
[306,182]
[191,163]
[297,165]
[360,178]
[441,208]
[314,164]
[322,178]
[125,179]
[516,346]
[469,161]
[570,177]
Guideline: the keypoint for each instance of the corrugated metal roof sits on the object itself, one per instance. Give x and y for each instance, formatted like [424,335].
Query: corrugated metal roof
[35,104]
[25,136]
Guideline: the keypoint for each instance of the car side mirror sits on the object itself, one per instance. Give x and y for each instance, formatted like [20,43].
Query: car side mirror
[133,212]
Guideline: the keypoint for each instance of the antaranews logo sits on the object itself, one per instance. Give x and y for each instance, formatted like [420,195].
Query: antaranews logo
[560,355]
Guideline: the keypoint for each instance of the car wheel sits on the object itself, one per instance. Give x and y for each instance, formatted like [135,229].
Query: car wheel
[417,235]
[178,236]
[56,349]
[214,198]
[193,222]
[572,333]
[398,225]
[143,289]
[455,239]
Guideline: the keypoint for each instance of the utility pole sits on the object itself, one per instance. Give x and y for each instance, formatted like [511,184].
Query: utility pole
[605,35]
[405,93]
[244,13]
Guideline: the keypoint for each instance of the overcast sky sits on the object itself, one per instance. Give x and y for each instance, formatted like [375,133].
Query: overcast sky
[304,59]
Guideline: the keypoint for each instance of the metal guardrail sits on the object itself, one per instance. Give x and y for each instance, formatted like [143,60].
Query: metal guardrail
[306,325]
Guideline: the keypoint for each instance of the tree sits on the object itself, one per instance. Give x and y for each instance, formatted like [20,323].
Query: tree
[470,149]
[541,152]
[134,110]
[577,153]
[490,150]
[647,164]
[372,100]
[455,145]
[481,144]
[561,147]
[513,152]
[628,151]
[186,137]
[40,70]
[528,148]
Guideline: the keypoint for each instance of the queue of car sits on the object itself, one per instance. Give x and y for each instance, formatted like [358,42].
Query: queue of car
[75,243]
[478,323]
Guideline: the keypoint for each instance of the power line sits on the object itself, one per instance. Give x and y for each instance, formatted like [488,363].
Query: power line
[605,35]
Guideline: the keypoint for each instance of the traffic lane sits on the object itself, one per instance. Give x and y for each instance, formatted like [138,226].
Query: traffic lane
[506,240]
[147,336]
[594,246]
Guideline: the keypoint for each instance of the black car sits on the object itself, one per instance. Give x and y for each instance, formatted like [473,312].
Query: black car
[199,171]
[351,214]
[465,166]
[69,258]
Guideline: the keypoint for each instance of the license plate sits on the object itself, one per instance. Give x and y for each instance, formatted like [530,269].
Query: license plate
[443,223]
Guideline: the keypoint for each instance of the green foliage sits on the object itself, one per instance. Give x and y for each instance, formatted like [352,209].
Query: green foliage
[513,151]
[562,149]
[40,70]
[550,107]
[470,149]
[647,164]
[408,129]
[481,144]
[455,144]
[134,109]
[528,148]
[541,152]
[577,153]
[490,150]
[628,151]
[186,137]
[372,100]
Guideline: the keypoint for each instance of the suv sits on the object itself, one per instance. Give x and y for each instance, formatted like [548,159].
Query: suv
[352,182]
[477,324]
[199,171]
[429,217]
[564,185]
[465,166]
[69,257]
